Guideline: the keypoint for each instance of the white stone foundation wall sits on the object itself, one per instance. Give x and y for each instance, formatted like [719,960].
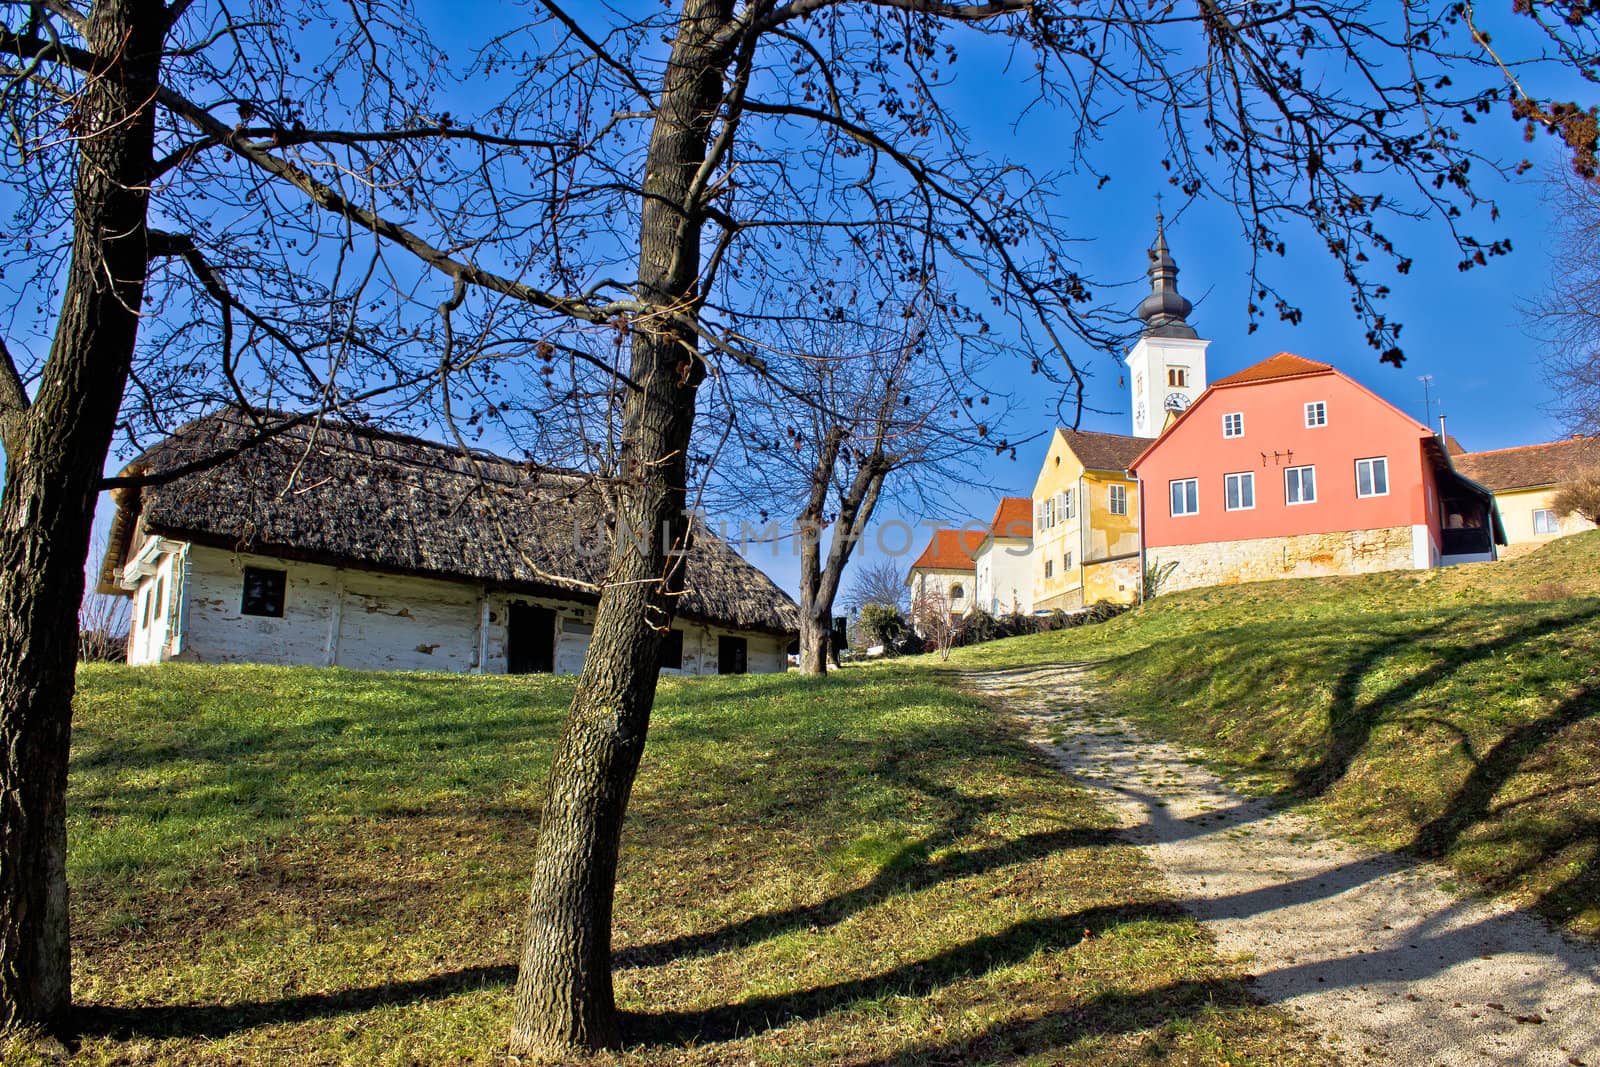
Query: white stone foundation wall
[1265,559]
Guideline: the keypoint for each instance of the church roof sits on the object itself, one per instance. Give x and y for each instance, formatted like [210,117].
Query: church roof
[1282,365]
[950,550]
[1013,518]
[1528,466]
[1103,451]
[341,494]
[1164,312]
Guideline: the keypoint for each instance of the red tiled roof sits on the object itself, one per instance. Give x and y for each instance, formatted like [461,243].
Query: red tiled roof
[1104,451]
[950,550]
[1530,465]
[1282,365]
[1013,518]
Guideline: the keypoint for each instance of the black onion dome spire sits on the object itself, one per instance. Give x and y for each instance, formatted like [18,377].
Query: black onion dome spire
[1164,311]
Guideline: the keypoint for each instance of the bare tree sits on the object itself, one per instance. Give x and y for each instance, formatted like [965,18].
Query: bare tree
[881,422]
[879,582]
[1567,316]
[161,259]
[933,621]
[649,196]
[103,621]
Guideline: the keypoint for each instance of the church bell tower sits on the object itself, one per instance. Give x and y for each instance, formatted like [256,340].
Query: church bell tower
[1167,367]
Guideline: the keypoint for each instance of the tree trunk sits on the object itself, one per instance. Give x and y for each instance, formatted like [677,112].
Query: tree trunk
[55,450]
[564,995]
[819,582]
[816,639]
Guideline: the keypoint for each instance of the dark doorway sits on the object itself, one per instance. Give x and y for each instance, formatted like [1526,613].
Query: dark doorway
[530,640]
[732,655]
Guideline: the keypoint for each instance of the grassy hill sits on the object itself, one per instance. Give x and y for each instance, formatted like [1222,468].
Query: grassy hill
[1453,714]
[303,866]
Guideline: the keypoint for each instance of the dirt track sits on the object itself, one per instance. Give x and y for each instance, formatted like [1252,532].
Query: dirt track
[1364,947]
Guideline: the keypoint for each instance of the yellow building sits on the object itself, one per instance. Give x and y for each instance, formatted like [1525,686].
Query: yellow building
[1086,521]
[1525,481]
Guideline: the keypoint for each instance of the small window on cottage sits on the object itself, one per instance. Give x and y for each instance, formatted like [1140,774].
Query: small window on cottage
[1233,424]
[1240,491]
[1069,509]
[956,592]
[1066,562]
[1545,522]
[1372,477]
[672,650]
[1300,485]
[1178,377]
[263,592]
[1317,413]
[1049,568]
[161,599]
[1119,499]
[1185,496]
[149,598]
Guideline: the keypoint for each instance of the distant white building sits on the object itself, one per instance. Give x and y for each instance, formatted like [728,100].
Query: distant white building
[945,572]
[344,546]
[1004,560]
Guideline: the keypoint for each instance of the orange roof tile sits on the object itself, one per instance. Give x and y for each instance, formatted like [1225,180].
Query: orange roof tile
[1282,365]
[950,550]
[1013,518]
[1530,465]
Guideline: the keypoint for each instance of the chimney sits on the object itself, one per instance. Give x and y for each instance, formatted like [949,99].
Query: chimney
[1442,436]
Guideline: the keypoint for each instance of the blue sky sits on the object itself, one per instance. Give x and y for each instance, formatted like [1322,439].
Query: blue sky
[1463,329]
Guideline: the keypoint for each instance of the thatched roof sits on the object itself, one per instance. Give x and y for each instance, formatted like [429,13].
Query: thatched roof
[351,496]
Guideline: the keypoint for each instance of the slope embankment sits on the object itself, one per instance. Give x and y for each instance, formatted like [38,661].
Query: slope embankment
[1451,715]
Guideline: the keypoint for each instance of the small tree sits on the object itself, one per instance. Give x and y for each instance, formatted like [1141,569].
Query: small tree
[881,583]
[930,616]
[1580,496]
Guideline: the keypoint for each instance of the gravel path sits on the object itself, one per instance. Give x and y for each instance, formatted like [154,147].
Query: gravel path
[1364,947]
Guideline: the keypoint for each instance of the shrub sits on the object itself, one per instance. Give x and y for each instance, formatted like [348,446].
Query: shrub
[882,624]
[1581,496]
[1156,575]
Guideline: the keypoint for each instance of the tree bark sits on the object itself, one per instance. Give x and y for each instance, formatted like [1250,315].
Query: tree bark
[564,997]
[55,449]
[819,583]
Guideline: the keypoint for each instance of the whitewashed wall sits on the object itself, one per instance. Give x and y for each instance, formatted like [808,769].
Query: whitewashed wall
[367,620]
[1005,576]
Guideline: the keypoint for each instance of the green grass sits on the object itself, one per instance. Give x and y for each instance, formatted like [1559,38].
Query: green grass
[1453,714]
[310,866]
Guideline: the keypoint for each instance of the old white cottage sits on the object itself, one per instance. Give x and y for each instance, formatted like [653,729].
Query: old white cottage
[339,545]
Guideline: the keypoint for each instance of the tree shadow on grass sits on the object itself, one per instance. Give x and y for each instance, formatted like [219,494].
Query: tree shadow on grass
[1473,804]
[1351,721]
[919,978]
[909,869]
[971,959]
[222,1020]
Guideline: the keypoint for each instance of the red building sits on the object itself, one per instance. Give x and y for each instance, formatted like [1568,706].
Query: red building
[1291,469]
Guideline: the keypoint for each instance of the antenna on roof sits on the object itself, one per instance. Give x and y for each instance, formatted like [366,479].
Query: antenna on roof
[1427,398]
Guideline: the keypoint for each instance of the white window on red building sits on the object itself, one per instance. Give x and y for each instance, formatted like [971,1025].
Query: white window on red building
[1300,485]
[1372,477]
[1317,413]
[1239,491]
[1233,424]
[1185,496]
